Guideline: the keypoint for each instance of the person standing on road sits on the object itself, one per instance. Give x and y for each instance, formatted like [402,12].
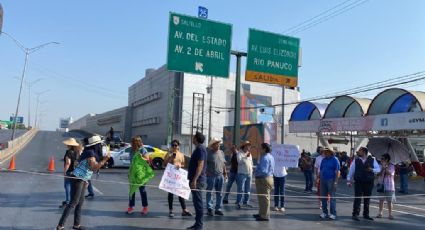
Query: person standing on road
[176,158]
[87,163]
[317,162]
[344,160]
[139,173]
[233,174]
[405,169]
[362,170]
[244,176]
[264,182]
[279,175]
[70,159]
[216,174]
[306,165]
[196,176]
[329,175]
[386,175]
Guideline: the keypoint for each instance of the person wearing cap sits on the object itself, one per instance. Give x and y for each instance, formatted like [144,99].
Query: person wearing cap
[70,158]
[197,178]
[362,170]
[87,163]
[329,175]
[216,174]
[244,177]
[176,158]
[264,182]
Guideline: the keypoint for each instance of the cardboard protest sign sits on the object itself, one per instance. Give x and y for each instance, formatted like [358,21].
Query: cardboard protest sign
[175,181]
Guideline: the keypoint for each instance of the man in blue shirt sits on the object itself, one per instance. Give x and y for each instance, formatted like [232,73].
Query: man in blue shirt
[197,177]
[329,175]
[264,182]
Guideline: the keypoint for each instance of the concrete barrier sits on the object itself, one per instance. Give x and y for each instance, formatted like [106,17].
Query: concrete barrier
[16,145]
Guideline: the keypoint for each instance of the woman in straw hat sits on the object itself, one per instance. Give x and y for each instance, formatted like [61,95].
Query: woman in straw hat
[70,158]
[83,171]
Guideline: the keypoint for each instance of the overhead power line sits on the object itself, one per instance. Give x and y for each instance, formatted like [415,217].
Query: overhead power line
[402,80]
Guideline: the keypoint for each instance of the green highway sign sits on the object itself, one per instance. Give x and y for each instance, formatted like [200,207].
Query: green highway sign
[272,58]
[198,46]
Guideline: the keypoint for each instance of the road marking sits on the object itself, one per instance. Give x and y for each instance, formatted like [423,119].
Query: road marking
[406,206]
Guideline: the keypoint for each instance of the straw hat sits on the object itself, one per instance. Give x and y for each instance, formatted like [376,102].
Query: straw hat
[70,142]
[245,143]
[213,141]
[94,140]
[327,150]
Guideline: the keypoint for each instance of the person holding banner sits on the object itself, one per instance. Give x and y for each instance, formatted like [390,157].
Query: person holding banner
[264,182]
[196,176]
[244,177]
[176,158]
[139,174]
[216,173]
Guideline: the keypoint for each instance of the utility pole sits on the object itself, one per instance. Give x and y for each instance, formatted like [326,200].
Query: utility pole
[210,91]
[237,120]
[282,134]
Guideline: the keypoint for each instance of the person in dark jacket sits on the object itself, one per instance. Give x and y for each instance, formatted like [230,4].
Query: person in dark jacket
[232,176]
[362,170]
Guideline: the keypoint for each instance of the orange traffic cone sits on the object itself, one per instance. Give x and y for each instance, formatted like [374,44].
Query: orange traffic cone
[51,164]
[12,164]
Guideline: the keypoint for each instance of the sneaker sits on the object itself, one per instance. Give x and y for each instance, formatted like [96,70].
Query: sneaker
[186,213]
[225,201]
[210,212]
[89,196]
[276,209]
[332,217]
[144,211]
[238,206]
[323,215]
[63,205]
[248,206]
[282,209]
[171,214]
[367,218]
[219,213]
[130,210]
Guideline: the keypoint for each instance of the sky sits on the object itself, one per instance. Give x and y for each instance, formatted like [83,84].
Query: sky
[105,46]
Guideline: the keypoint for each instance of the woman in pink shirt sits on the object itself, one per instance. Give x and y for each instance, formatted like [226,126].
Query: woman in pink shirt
[386,176]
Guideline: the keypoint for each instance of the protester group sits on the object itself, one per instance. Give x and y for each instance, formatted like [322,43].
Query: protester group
[207,172]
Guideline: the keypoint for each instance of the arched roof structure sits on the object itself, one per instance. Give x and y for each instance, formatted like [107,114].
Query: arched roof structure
[347,106]
[308,111]
[397,100]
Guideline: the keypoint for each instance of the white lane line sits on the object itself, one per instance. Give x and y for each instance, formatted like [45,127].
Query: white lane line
[407,206]
[97,190]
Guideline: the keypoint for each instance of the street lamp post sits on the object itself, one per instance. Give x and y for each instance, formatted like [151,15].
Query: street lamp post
[27,52]
[36,107]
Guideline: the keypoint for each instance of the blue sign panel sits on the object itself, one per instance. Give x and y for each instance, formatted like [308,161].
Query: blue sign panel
[20,120]
[202,12]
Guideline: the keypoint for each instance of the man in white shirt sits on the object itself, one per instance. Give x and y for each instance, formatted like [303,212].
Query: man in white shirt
[244,177]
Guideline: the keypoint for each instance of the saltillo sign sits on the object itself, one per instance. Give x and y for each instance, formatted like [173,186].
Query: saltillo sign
[383,122]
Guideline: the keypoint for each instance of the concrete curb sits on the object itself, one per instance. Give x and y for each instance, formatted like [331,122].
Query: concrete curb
[16,145]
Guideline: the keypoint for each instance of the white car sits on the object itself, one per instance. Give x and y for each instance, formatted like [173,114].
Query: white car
[120,157]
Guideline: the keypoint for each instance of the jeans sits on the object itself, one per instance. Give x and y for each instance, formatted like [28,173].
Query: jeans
[244,186]
[308,174]
[404,186]
[143,195]
[67,185]
[279,191]
[328,187]
[362,189]
[232,178]
[78,189]
[170,201]
[215,182]
[90,188]
[197,203]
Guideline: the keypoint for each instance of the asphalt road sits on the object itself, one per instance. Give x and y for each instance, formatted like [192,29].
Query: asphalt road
[6,134]
[31,200]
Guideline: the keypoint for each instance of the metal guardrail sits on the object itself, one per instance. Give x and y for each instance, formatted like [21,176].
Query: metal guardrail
[16,145]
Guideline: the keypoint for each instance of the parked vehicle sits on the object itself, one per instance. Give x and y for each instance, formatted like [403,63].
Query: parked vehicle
[121,157]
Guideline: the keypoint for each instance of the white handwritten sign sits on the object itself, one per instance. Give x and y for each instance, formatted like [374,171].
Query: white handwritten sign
[285,155]
[175,181]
